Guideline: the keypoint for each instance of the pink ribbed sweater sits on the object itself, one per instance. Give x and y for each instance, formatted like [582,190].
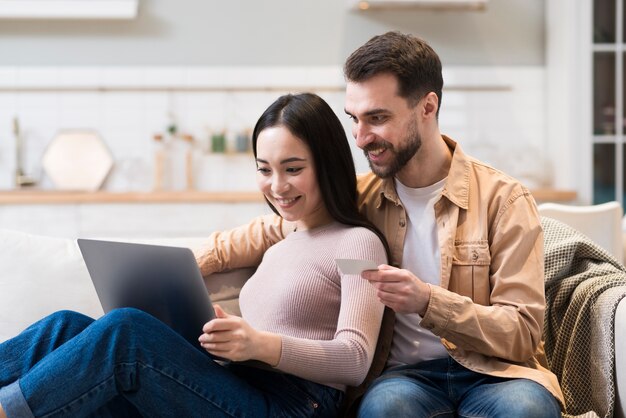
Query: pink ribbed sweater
[329,322]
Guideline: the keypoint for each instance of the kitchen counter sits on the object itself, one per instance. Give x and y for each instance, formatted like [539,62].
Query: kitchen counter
[144,214]
[35,197]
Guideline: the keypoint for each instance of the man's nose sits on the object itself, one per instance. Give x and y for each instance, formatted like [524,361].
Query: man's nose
[362,135]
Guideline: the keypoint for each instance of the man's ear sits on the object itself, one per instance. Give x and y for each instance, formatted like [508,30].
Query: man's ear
[429,106]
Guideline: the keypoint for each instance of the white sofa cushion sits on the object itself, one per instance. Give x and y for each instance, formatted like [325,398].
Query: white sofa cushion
[40,275]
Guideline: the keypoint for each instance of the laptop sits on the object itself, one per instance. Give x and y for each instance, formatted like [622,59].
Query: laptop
[162,281]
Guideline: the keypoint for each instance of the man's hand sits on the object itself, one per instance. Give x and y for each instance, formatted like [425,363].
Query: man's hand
[230,337]
[399,289]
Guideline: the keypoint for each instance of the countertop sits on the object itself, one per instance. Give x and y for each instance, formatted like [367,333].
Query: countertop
[36,196]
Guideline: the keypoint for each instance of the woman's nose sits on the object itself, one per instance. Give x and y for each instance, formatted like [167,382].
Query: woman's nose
[279,184]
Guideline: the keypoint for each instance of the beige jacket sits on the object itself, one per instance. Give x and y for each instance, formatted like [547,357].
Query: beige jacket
[489,308]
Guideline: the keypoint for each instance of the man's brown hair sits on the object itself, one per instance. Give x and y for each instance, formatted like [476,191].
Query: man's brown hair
[410,59]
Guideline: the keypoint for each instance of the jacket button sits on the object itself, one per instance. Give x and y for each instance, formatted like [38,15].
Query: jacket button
[402,223]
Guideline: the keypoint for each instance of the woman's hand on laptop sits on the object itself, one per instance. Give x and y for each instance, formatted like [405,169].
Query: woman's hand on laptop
[232,338]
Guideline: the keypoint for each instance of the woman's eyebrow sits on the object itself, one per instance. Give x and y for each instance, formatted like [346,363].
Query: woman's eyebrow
[285,161]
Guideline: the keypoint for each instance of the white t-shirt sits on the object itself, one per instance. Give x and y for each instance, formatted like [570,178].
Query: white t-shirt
[422,257]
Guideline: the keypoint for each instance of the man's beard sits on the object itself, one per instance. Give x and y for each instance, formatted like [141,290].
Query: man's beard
[403,155]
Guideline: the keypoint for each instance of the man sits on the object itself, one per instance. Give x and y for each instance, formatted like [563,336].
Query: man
[466,274]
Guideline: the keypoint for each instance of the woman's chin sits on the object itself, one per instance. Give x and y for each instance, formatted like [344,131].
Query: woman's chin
[293,219]
[286,215]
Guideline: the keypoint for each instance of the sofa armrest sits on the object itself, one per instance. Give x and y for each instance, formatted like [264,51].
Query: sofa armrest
[620,360]
[224,288]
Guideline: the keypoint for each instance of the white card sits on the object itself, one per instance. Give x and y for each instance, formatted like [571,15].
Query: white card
[349,266]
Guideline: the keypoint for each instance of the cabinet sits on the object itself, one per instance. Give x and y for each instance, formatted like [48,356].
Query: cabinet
[585,55]
[609,113]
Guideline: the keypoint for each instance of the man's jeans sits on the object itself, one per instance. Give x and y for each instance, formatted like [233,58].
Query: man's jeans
[444,388]
[128,362]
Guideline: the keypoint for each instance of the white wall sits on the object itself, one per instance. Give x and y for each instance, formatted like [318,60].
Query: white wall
[273,33]
[494,112]
[66,74]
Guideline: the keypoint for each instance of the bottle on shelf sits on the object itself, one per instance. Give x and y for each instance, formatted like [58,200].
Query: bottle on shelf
[161,164]
[181,162]
[189,164]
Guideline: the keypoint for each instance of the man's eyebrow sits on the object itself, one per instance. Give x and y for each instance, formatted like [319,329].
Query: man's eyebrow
[370,112]
[285,161]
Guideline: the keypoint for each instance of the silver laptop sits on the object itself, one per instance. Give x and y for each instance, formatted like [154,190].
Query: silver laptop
[162,281]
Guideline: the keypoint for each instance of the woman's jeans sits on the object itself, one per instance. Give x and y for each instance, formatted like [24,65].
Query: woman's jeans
[444,388]
[128,363]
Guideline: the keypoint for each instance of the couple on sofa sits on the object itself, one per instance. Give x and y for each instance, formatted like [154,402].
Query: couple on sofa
[449,324]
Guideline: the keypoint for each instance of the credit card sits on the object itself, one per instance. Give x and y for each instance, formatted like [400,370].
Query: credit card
[352,266]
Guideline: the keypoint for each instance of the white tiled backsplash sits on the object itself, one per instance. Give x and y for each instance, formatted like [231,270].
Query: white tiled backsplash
[497,114]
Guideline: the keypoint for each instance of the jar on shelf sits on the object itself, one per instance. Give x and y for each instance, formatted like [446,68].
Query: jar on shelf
[218,142]
[243,141]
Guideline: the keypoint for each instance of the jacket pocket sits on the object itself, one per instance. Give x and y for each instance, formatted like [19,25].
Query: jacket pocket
[470,270]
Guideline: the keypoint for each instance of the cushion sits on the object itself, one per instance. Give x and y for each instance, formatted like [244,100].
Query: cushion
[40,275]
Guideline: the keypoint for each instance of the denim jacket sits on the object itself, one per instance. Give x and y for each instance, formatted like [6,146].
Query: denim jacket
[489,307]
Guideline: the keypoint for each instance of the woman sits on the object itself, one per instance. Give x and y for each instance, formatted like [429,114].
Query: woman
[306,330]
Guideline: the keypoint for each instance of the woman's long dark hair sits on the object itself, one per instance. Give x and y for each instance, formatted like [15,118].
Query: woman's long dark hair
[308,117]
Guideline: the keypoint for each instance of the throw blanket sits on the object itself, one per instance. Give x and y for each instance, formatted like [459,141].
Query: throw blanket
[584,285]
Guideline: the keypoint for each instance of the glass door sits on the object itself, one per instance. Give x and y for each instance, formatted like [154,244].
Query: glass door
[609,113]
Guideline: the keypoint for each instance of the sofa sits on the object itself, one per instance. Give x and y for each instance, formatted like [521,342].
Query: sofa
[40,275]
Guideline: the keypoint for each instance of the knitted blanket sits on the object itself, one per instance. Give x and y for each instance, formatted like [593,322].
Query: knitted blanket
[584,285]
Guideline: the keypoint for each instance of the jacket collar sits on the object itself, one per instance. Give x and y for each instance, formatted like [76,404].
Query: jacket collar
[456,188]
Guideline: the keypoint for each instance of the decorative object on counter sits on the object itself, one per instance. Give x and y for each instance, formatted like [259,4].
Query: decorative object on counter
[21,179]
[77,160]
[218,142]
[173,162]
[160,161]
[172,129]
[189,166]
[242,141]
[130,174]
[608,120]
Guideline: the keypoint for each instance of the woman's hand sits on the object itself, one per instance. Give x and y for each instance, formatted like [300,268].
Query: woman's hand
[230,337]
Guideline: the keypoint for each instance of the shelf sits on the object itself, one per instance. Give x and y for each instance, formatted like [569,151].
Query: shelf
[606,139]
[68,9]
[42,197]
[164,88]
[466,5]
[608,47]
[221,89]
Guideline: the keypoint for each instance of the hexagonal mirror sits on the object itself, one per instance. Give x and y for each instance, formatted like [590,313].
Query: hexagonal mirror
[77,160]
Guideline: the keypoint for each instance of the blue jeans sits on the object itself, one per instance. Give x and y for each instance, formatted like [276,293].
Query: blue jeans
[444,388]
[128,363]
